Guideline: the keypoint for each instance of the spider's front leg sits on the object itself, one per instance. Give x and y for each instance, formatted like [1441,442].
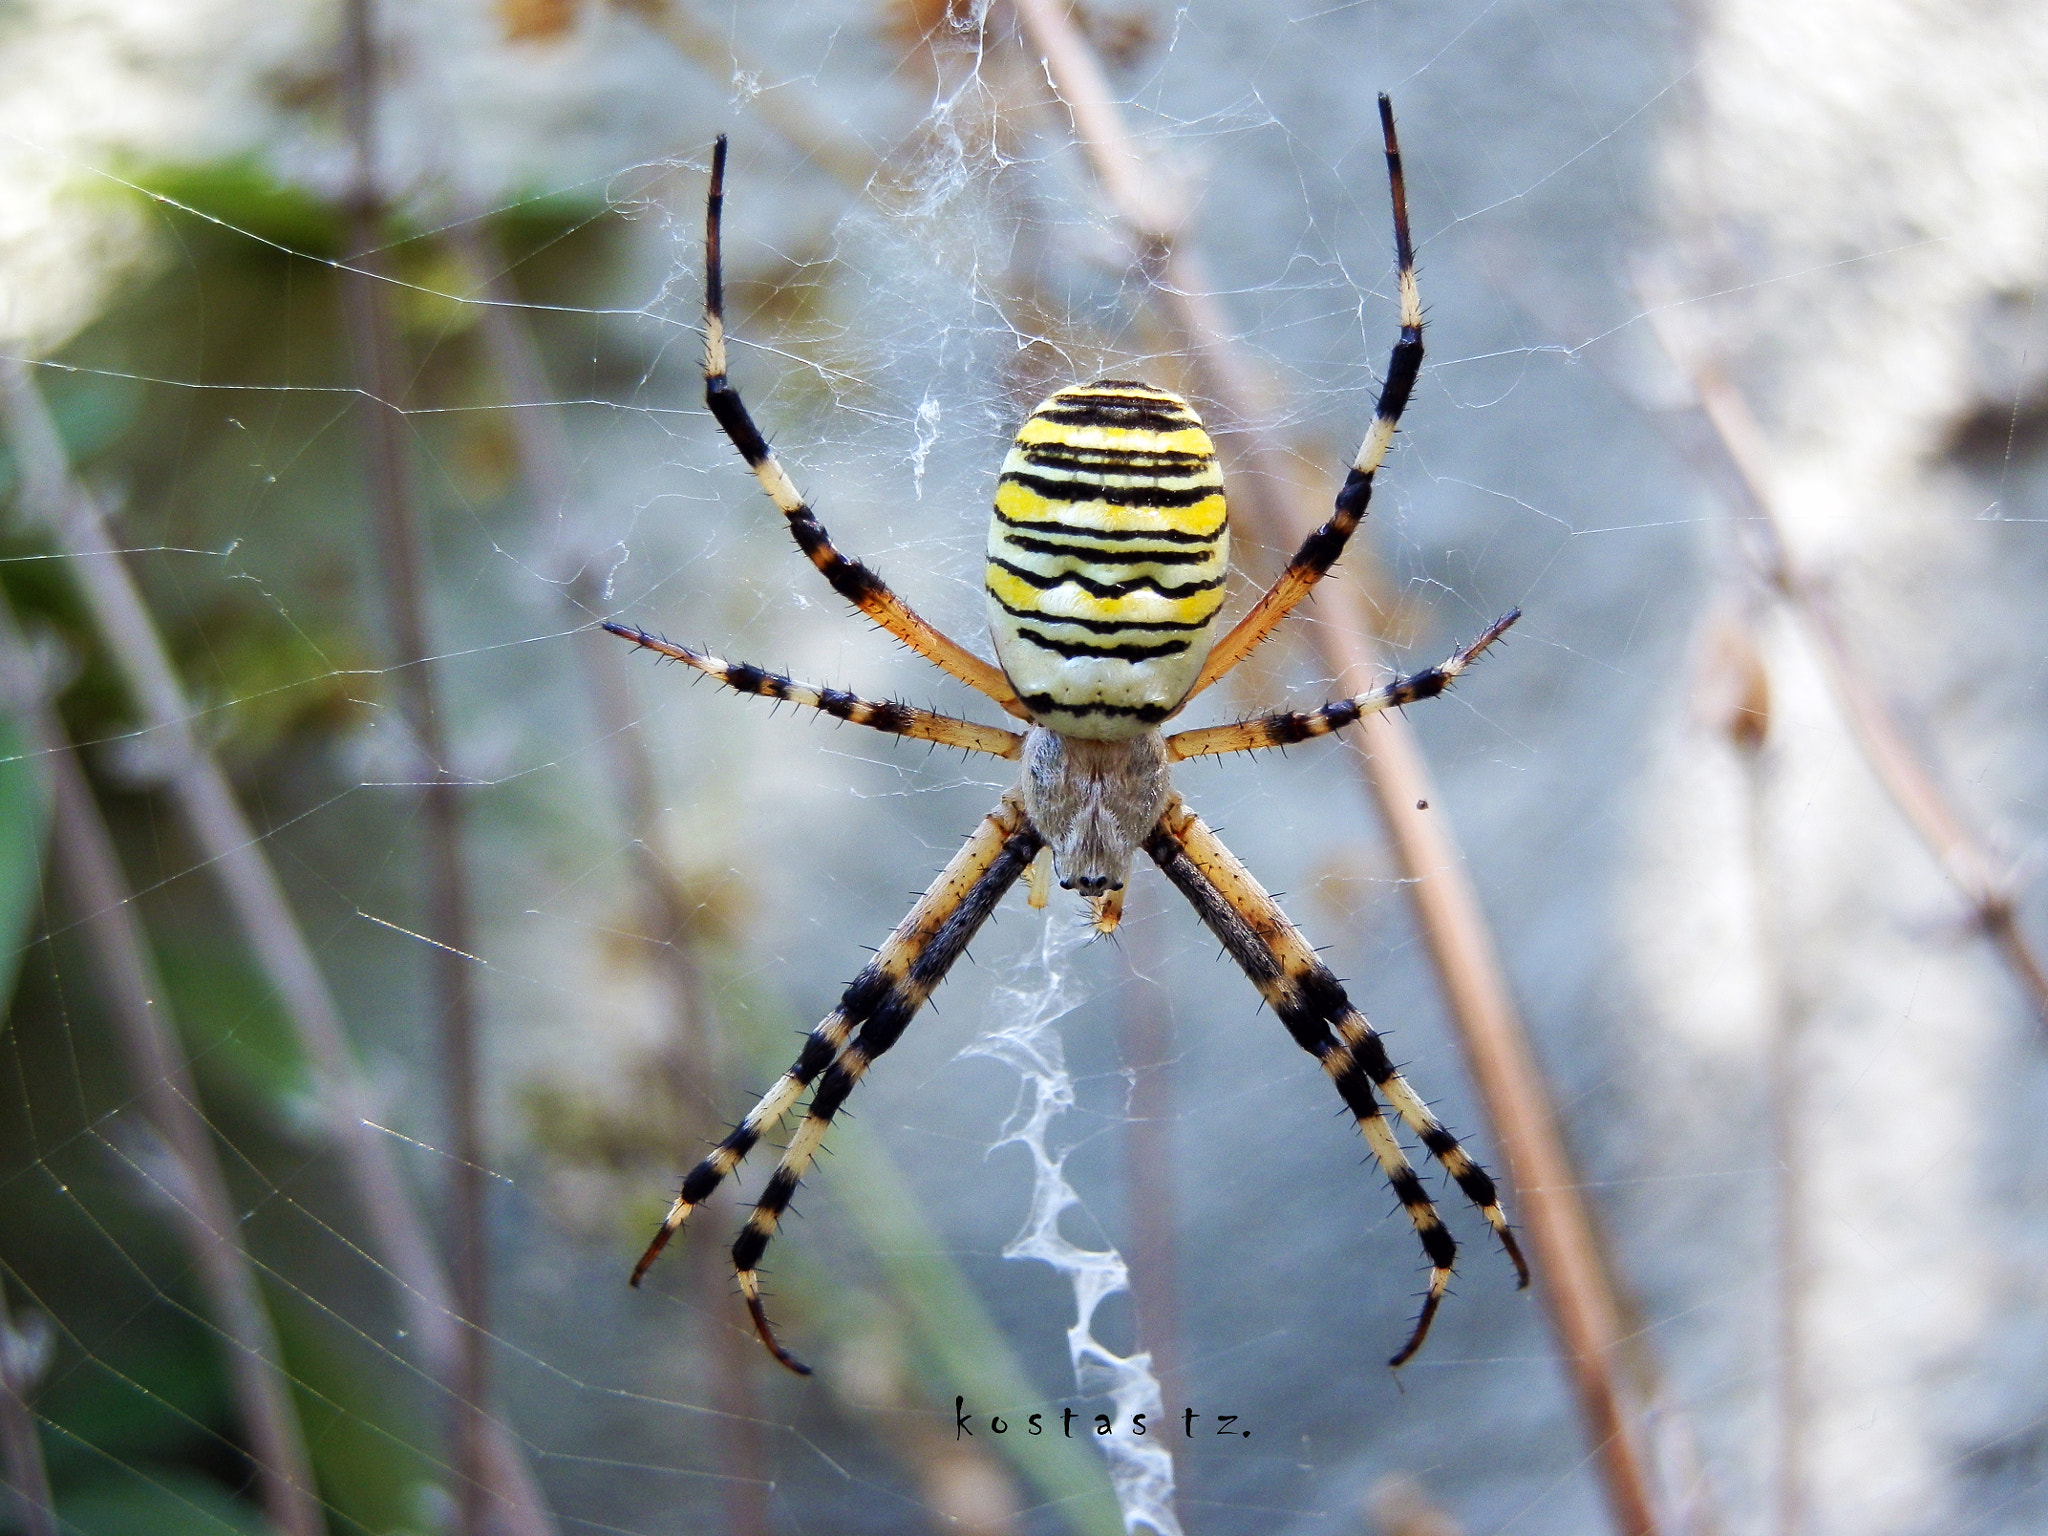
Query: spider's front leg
[1319,551]
[851,579]
[1312,1004]
[870,1018]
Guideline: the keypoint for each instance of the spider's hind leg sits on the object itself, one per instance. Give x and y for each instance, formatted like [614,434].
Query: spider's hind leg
[820,1049]
[870,1018]
[1312,1004]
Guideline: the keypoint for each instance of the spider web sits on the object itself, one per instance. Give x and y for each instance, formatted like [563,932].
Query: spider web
[1742,972]
[1023,1014]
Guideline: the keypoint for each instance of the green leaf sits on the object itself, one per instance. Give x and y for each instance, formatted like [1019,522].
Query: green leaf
[24,823]
[235,1030]
[364,1423]
[163,1501]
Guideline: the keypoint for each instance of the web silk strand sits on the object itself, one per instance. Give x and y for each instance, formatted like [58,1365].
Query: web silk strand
[1024,1011]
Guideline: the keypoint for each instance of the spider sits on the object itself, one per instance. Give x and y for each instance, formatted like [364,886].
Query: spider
[1106,561]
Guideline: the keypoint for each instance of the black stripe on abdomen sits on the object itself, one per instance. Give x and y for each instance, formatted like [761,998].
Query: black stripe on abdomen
[1109,554]
[1104,589]
[1081,490]
[1077,531]
[1103,626]
[1096,650]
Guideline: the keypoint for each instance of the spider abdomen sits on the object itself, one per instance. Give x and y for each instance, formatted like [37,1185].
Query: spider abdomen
[1106,558]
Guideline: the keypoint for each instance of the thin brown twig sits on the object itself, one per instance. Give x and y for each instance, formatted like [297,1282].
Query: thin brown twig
[1744,694]
[1919,798]
[1149,1064]
[231,851]
[84,856]
[666,915]
[446,921]
[839,155]
[1578,1283]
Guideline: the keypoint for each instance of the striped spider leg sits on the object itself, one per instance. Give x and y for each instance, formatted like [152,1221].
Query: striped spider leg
[1284,730]
[1107,556]
[1312,1004]
[883,998]
[849,577]
[1319,551]
[881,715]
[894,719]
[871,1017]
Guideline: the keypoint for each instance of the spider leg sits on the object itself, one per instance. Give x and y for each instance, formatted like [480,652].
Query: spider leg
[849,577]
[1312,1004]
[896,719]
[870,1017]
[1038,879]
[1283,730]
[1320,550]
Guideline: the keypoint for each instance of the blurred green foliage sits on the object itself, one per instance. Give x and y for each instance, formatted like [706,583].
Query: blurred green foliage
[239,502]
[23,813]
[214,412]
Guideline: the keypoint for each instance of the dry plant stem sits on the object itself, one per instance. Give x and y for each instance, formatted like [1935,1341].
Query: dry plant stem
[223,836]
[205,1214]
[839,154]
[1789,1118]
[373,341]
[542,447]
[1898,768]
[1571,1269]
[666,913]
[231,850]
[21,1452]
[1576,1281]
[1148,1053]
[666,917]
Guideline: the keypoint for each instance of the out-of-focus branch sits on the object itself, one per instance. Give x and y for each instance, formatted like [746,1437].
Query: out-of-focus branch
[1398,1506]
[231,851]
[1575,1279]
[1912,788]
[25,1352]
[84,855]
[838,154]
[1149,1162]
[541,444]
[1739,706]
[24,1356]
[666,915]
[374,344]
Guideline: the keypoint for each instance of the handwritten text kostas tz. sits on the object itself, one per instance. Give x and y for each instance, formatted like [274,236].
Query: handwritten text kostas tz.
[1103,1424]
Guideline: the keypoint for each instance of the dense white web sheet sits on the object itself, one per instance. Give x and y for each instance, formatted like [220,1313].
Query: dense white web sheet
[1023,1017]
[1689,935]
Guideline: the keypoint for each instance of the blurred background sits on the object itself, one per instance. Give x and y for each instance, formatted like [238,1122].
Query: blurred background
[381,941]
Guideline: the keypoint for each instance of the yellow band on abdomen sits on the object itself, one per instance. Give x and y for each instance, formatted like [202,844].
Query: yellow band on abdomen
[1106,557]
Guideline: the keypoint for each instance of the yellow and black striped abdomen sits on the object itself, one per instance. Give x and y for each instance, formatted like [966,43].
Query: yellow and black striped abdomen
[1106,558]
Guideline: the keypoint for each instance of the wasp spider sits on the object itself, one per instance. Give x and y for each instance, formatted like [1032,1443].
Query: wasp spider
[1106,562]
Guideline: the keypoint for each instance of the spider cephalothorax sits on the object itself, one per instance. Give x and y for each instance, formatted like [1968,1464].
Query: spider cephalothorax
[1107,554]
[1094,802]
